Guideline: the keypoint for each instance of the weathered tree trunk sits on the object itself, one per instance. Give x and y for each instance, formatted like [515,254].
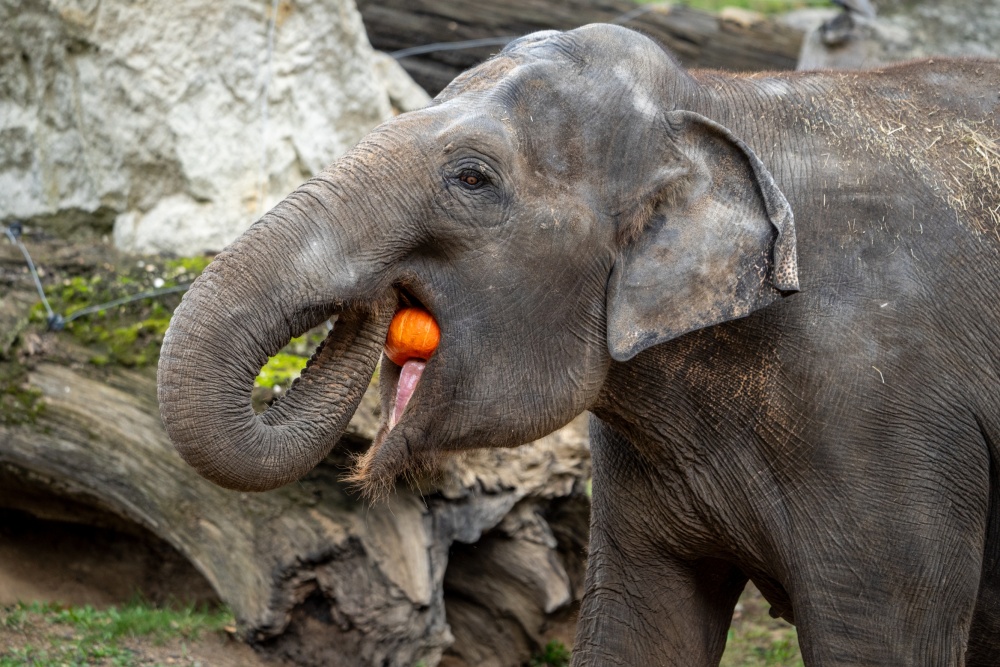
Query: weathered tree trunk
[312,572]
[731,40]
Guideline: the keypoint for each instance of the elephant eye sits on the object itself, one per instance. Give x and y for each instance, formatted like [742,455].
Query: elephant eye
[471,179]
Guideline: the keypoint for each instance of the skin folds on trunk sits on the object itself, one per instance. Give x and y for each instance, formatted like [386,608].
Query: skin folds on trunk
[230,322]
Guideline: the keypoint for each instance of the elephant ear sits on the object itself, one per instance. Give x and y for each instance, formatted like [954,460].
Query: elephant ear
[716,241]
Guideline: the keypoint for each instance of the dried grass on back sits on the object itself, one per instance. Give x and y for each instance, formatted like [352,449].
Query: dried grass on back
[958,158]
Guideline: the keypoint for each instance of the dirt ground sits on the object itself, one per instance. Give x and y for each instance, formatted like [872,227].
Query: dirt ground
[210,650]
[76,565]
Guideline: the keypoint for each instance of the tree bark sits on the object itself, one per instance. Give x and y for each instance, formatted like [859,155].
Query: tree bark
[480,565]
[731,40]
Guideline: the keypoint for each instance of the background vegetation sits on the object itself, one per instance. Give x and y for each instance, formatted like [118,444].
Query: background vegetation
[139,634]
[53,635]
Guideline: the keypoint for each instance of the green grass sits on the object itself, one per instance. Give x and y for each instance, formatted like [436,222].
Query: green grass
[85,636]
[761,648]
[764,6]
[757,640]
[754,640]
[554,654]
[79,636]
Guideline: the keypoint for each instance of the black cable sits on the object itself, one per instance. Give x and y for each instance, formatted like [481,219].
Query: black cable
[492,41]
[450,46]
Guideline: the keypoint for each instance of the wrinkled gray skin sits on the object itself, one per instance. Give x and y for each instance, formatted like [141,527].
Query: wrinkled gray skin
[624,252]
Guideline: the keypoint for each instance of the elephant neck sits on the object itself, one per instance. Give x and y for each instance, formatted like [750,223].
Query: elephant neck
[690,392]
[753,107]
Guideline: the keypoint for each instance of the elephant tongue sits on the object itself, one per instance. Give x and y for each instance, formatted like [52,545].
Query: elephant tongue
[409,376]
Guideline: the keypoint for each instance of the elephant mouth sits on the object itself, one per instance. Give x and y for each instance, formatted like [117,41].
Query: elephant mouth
[404,382]
[396,450]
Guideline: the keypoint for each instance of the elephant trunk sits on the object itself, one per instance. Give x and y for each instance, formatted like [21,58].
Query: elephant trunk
[289,272]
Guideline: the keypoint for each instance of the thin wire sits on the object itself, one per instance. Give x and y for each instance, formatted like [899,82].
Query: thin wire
[13,232]
[493,41]
[127,299]
[451,46]
[631,14]
[55,321]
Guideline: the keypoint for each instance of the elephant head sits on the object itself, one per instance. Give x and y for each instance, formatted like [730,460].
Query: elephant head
[556,209]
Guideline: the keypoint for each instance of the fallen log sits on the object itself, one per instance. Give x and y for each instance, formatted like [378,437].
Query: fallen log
[479,566]
[732,40]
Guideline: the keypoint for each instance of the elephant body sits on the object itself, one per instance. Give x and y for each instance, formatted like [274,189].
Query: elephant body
[841,447]
[776,295]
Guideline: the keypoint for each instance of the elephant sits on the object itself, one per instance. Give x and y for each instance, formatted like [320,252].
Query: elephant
[774,293]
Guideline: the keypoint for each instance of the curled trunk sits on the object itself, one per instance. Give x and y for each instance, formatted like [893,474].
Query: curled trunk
[242,310]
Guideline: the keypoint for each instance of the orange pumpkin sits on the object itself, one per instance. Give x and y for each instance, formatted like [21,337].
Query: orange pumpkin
[413,334]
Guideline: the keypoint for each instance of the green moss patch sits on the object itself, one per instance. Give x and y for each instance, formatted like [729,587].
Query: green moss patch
[127,334]
[19,403]
[281,370]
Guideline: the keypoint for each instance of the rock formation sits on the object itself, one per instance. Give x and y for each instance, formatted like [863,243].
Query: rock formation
[174,123]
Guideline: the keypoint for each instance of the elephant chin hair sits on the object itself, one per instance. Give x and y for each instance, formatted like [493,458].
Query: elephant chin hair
[376,471]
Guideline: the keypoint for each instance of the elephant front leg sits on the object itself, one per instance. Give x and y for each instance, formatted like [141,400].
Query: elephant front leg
[645,604]
[646,610]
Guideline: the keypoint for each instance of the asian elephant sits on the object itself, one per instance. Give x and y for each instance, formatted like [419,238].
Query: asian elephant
[810,402]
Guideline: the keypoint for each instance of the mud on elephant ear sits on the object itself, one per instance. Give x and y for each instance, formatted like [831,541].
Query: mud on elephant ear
[713,241]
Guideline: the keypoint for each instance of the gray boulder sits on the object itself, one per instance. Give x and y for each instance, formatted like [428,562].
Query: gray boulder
[148,119]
